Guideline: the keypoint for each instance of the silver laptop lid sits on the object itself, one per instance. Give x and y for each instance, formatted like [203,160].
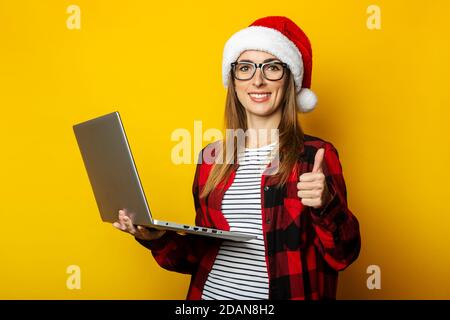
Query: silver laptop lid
[111,168]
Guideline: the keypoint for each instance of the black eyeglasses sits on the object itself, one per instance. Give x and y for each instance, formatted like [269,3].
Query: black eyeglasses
[272,71]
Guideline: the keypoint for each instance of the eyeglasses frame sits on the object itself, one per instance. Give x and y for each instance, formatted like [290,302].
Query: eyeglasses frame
[256,66]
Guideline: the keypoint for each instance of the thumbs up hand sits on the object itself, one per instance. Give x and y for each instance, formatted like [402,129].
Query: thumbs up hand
[312,186]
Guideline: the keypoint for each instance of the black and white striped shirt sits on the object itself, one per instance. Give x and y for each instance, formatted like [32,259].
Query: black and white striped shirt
[240,270]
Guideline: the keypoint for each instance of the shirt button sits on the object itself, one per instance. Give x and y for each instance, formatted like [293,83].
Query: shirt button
[266,188]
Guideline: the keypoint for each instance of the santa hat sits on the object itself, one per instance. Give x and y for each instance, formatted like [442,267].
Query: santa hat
[282,38]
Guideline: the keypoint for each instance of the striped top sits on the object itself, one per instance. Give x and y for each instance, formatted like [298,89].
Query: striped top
[240,270]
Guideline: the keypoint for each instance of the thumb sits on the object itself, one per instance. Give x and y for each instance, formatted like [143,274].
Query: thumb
[318,160]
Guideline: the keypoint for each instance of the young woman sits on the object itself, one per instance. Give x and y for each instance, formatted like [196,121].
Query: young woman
[305,230]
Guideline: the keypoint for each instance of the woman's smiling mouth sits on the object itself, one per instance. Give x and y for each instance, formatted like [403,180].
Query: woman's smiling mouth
[259,96]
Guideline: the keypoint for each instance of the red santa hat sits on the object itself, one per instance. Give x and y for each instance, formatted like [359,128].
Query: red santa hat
[282,38]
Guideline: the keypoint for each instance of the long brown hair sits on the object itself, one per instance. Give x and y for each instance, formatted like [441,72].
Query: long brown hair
[290,135]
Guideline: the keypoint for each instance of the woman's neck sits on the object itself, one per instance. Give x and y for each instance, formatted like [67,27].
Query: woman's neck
[262,130]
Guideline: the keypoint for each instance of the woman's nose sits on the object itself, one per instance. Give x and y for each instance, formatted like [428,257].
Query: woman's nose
[258,78]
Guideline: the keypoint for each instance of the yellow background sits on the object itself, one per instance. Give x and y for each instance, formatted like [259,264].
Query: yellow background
[383,102]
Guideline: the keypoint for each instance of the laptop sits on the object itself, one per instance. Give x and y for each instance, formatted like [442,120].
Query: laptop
[115,181]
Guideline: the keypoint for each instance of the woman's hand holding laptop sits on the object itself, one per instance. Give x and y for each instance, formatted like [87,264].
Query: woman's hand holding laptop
[125,224]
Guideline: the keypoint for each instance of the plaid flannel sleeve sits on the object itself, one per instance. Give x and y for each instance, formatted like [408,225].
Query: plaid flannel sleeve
[181,253]
[337,229]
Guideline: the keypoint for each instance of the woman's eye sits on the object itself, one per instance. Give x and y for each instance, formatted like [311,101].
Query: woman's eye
[243,68]
[273,67]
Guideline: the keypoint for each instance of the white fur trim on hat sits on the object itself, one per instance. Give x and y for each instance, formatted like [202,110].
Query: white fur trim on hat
[274,42]
[263,39]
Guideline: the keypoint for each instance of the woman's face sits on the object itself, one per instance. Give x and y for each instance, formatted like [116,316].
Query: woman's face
[259,96]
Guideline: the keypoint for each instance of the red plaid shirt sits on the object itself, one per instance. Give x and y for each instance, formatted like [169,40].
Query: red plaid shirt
[305,247]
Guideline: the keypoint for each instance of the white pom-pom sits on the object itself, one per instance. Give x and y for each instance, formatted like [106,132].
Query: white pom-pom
[306,100]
